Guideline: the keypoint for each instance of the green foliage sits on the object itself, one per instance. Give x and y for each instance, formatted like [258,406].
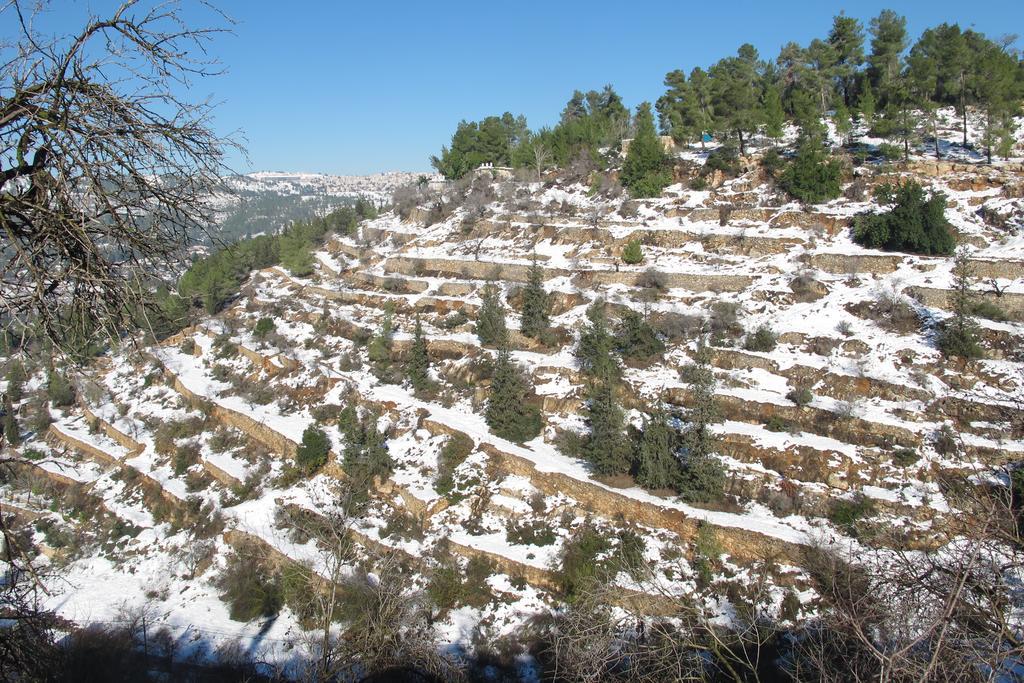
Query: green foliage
[905,457]
[579,564]
[490,324]
[703,477]
[454,453]
[914,224]
[536,532]
[536,314]
[632,254]
[450,587]
[15,380]
[263,327]
[761,340]
[636,339]
[311,454]
[12,434]
[58,390]
[644,171]
[959,336]
[606,445]
[847,514]
[811,176]
[657,466]
[492,141]
[417,367]
[379,348]
[596,343]
[250,585]
[589,122]
[511,414]
[800,396]
[366,452]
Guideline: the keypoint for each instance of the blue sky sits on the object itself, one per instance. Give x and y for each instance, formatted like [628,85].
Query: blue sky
[361,87]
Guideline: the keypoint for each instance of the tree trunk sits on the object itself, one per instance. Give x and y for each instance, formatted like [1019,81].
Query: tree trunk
[935,136]
[963,104]
[739,133]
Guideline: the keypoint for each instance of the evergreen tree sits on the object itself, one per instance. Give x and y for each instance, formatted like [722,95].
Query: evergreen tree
[263,327]
[736,94]
[774,115]
[606,447]
[959,334]
[636,339]
[366,453]
[914,224]
[644,172]
[888,41]
[59,390]
[866,106]
[841,120]
[15,380]
[703,477]
[594,350]
[490,324]
[12,434]
[510,414]
[657,466]
[536,315]
[418,365]
[379,348]
[812,176]
[632,254]
[296,253]
[311,454]
[847,40]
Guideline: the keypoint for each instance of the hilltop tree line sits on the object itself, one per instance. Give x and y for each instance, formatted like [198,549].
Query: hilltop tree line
[874,76]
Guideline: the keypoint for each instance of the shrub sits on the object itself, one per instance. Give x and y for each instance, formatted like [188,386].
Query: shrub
[914,224]
[537,532]
[725,318]
[988,310]
[187,346]
[762,340]
[959,341]
[800,396]
[725,159]
[772,162]
[448,588]
[776,423]
[632,253]
[905,457]
[652,279]
[250,585]
[184,457]
[945,441]
[454,452]
[264,326]
[311,454]
[847,514]
[578,560]
[453,320]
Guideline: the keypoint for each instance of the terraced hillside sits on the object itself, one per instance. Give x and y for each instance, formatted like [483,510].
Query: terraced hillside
[841,424]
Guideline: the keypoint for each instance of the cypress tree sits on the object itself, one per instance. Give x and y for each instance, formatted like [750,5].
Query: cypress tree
[490,324]
[594,349]
[10,423]
[16,381]
[657,465]
[418,365]
[510,414]
[636,339]
[644,171]
[774,115]
[702,477]
[606,447]
[536,304]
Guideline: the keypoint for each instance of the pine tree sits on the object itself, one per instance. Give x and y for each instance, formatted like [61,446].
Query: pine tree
[606,447]
[842,122]
[311,454]
[703,477]
[959,334]
[644,172]
[657,465]
[510,413]
[418,365]
[490,324]
[774,115]
[366,453]
[866,106]
[594,349]
[536,315]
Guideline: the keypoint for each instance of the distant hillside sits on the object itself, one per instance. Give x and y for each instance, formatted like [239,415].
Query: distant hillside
[267,200]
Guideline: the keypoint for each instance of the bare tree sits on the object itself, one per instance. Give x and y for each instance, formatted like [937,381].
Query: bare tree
[541,157]
[106,167]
